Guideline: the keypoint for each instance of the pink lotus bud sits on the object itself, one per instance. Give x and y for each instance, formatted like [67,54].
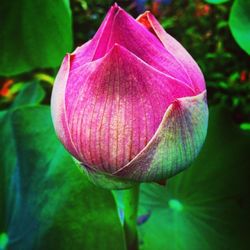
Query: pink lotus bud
[130,104]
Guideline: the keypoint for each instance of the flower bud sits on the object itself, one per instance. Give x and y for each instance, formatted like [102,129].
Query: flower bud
[130,104]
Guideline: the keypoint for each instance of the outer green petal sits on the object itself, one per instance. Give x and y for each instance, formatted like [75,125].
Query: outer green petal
[175,144]
[105,180]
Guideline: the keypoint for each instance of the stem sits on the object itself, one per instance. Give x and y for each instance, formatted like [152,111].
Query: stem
[130,200]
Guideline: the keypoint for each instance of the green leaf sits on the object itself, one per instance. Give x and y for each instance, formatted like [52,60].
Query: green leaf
[51,204]
[216,1]
[239,23]
[3,240]
[31,94]
[207,206]
[245,126]
[33,34]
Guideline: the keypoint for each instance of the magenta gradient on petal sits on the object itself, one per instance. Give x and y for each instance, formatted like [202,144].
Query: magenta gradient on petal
[175,144]
[58,107]
[112,121]
[112,93]
[176,49]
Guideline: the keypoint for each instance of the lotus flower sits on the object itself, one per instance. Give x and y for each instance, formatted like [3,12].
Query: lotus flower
[130,104]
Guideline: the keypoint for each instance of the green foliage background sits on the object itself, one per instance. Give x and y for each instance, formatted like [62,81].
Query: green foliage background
[46,202]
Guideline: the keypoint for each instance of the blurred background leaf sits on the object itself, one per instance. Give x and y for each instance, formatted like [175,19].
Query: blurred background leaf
[207,206]
[216,1]
[239,23]
[33,34]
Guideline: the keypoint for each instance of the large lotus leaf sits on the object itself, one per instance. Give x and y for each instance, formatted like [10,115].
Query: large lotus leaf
[239,23]
[33,34]
[207,206]
[50,204]
[31,94]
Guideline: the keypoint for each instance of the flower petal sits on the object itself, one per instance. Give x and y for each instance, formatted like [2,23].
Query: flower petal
[114,105]
[176,49]
[96,47]
[58,106]
[119,27]
[176,143]
[127,32]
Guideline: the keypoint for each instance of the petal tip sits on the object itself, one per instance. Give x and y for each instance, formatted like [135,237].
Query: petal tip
[144,15]
[116,50]
[115,6]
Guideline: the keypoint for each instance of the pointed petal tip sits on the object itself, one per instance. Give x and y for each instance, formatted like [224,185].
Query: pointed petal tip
[146,20]
[68,60]
[119,10]
[113,10]
[115,7]
[115,52]
[144,14]
[70,56]
[117,49]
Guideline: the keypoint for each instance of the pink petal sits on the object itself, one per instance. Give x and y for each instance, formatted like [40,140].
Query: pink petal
[82,55]
[119,27]
[92,50]
[114,105]
[127,32]
[175,144]
[175,49]
[58,106]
